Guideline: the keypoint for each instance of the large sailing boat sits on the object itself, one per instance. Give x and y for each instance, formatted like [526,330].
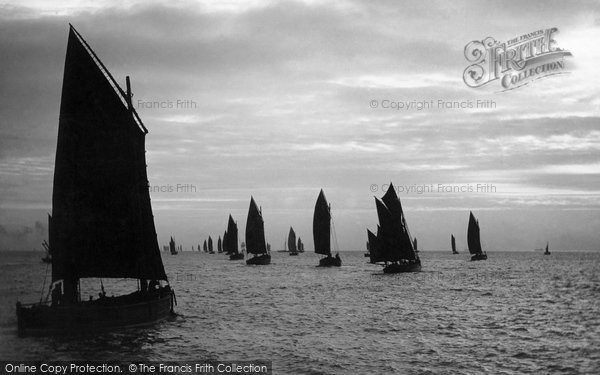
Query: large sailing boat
[255,236]
[473,240]
[453,244]
[292,242]
[392,245]
[322,233]
[232,240]
[102,223]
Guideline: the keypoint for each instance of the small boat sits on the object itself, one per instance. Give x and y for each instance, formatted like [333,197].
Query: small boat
[322,233]
[172,247]
[232,240]
[205,247]
[392,244]
[300,246]
[292,242]
[547,252]
[102,222]
[453,244]
[219,245]
[255,236]
[210,245]
[473,240]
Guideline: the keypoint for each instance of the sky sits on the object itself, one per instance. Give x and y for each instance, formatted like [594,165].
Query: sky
[274,99]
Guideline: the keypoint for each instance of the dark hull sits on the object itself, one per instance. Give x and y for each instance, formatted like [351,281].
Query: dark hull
[237,256]
[132,310]
[262,259]
[367,255]
[330,262]
[547,253]
[455,252]
[47,259]
[480,256]
[293,253]
[402,267]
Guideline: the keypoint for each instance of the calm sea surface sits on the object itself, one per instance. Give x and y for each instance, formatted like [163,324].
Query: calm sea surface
[514,313]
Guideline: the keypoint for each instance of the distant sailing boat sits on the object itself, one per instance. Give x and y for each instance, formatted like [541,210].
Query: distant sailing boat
[219,245]
[205,247]
[547,252]
[322,232]
[255,236]
[453,243]
[300,246]
[232,240]
[102,222]
[473,240]
[172,247]
[392,244]
[292,242]
[210,245]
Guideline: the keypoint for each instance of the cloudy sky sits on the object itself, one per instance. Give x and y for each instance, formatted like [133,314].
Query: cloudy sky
[274,99]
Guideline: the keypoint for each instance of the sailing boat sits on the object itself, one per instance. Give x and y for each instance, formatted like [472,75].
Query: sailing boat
[453,243]
[219,245]
[473,240]
[547,252]
[232,240]
[392,244]
[102,222]
[322,232]
[205,247]
[255,236]
[300,245]
[172,247]
[210,245]
[292,242]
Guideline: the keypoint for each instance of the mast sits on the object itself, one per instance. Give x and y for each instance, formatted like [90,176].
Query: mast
[322,225]
[255,230]
[102,215]
[473,240]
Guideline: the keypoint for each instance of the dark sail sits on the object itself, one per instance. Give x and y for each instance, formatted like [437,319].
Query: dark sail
[375,253]
[322,226]
[300,245]
[453,243]
[225,250]
[232,236]
[219,245]
[473,240]
[102,216]
[205,247]
[210,244]
[172,246]
[400,228]
[255,230]
[292,241]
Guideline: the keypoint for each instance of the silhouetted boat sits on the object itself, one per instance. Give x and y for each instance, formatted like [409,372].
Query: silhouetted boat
[392,245]
[102,222]
[232,240]
[255,236]
[219,245]
[300,246]
[205,247]
[292,242]
[453,244]
[547,252]
[210,245]
[473,240]
[172,247]
[322,232]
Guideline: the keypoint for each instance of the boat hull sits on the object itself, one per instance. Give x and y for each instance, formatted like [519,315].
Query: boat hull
[481,256]
[262,259]
[293,253]
[135,309]
[402,267]
[330,262]
[236,256]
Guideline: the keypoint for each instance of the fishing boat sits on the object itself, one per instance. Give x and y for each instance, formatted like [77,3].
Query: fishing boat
[473,240]
[300,246]
[292,242]
[453,244]
[210,245]
[102,222]
[255,236]
[172,247]
[392,246]
[322,233]
[547,252]
[205,247]
[232,240]
[219,245]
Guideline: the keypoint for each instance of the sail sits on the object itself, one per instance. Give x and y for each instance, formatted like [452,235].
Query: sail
[172,246]
[322,226]
[102,216]
[232,236]
[300,245]
[205,247]
[219,245]
[473,240]
[400,228]
[210,244]
[255,230]
[225,250]
[292,241]
[375,253]
[453,243]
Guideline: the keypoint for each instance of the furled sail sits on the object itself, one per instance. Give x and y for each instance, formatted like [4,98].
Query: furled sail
[102,216]
[322,226]
[255,230]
